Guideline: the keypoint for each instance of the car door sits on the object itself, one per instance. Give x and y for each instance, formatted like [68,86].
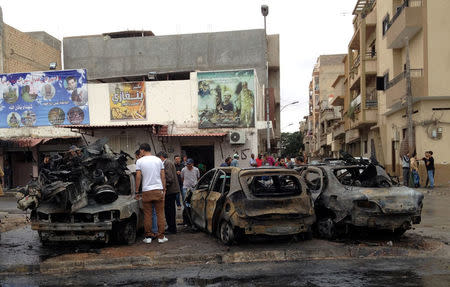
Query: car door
[213,200]
[314,179]
[198,199]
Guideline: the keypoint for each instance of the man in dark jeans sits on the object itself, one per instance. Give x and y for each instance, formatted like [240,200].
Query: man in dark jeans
[429,164]
[179,166]
[172,189]
[406,168]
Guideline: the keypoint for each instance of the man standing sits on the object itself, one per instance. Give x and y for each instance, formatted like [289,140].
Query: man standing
[172,189]
[178,166]
[227,162]
[269,160]
[299,161]
[429,164]
[150,169]
[406,167]
[253,160]
[235,161]
[259,160]
[190,175]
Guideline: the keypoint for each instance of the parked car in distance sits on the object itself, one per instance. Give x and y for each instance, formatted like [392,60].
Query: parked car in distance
[231,202]
[360,196]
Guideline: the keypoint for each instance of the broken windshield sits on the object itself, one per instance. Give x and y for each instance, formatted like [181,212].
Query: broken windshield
[365,176]
[274,185]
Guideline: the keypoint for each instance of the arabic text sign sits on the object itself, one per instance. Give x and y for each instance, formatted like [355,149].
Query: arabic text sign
[127,101]
[44,99]
[226,99]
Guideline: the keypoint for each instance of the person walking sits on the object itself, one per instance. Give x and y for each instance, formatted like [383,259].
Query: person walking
[178,166]
[415,170]
[406,167]
[190,175]
[150,170]
[172,189]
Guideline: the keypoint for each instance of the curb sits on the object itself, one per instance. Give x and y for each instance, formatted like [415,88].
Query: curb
[157,260]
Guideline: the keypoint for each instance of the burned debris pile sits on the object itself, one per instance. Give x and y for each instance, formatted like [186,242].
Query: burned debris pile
[83,176]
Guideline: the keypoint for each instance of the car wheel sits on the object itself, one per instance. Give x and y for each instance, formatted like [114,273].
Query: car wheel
[326,228]
[226,234]
[127,231]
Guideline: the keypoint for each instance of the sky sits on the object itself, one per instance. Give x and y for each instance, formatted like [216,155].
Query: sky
[307,29]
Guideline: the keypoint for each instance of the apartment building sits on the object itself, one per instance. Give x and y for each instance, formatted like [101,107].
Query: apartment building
[323,115]
[385,34]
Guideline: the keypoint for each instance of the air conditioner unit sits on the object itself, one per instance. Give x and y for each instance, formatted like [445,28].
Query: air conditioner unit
[237,137]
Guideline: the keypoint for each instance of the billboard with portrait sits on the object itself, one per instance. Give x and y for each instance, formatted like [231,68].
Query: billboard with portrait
[127,101]
[226,99]
[44,99]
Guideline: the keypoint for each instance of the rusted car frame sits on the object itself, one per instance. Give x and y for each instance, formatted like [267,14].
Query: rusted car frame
[226,203]
[342,199]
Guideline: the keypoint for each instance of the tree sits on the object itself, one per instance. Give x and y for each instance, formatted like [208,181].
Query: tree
[292,143]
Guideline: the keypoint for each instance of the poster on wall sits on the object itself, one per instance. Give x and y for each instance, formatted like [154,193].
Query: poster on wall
[44,99]
[127,101]
[226,99]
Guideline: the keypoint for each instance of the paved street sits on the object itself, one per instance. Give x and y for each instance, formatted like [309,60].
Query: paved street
[420,258]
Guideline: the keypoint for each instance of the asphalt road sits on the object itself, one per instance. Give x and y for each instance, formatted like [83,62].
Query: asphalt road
[352,272]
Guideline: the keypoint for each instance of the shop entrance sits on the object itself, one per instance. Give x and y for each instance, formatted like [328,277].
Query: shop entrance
[201,155]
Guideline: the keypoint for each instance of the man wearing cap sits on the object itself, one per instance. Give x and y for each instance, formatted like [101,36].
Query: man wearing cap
[150,170]
[190,175]
[235,161]
[172,189]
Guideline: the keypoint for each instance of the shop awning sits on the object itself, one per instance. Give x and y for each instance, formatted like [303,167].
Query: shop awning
[26,142]
[194,135]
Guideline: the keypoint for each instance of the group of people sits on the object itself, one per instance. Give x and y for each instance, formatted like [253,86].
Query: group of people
[159,182]
[410,167]
[265,160]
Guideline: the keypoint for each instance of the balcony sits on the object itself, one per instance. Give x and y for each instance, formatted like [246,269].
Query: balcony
[360,118]
[329,114]
[396,89]
[338,131]
[406,23]
[370,60]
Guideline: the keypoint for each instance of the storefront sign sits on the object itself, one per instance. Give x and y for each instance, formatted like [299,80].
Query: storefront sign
[127,101]
[226,99]
[44,99]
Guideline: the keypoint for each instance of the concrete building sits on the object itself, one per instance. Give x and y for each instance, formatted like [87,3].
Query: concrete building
[20,147]
[375,100]
[323,114]
[170,67]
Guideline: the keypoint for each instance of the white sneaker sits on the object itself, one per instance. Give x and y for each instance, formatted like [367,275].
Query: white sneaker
[163,240]
[147,240]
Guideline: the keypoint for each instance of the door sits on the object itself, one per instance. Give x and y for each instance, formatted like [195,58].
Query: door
[198,199]
[203,156]
[213,201]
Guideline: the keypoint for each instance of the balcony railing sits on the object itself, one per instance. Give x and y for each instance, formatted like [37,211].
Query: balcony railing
[371,99]
[415,73]
[406,3]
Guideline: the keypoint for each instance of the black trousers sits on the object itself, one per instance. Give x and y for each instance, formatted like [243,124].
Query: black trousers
[170,212]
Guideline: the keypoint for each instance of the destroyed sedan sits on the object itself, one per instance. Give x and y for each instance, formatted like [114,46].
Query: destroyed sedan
[361,196]
[231,203]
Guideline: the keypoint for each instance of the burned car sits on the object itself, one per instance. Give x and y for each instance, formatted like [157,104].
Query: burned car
[356,196]
[87,195]
[230,203]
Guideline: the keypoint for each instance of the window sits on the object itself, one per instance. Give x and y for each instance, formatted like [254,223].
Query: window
[386,80]
[220,179]
[274,185]
[365,146]
[205,181]
[385,26]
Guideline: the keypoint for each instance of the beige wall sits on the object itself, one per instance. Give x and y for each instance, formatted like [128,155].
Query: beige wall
[23,53]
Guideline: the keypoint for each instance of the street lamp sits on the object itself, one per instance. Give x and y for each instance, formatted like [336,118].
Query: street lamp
[265,12]
[293,103]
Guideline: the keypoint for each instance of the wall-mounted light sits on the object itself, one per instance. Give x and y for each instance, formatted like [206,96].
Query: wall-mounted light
[52,66]
[152,75]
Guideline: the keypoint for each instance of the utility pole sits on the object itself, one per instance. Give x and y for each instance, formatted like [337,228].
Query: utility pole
[265,12]
[409,100]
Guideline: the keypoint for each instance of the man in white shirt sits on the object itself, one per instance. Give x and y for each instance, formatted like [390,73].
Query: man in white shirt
[189,175]
[150,170]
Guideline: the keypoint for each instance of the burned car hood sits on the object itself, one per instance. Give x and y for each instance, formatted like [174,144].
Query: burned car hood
[397,199]
[127,205]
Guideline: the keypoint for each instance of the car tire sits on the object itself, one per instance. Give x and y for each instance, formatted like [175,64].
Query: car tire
[326,228]
[226,233]
[126,231]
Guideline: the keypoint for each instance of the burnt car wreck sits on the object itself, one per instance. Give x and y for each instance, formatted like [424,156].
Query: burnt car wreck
[231,203]
[86,195]
[360,196]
